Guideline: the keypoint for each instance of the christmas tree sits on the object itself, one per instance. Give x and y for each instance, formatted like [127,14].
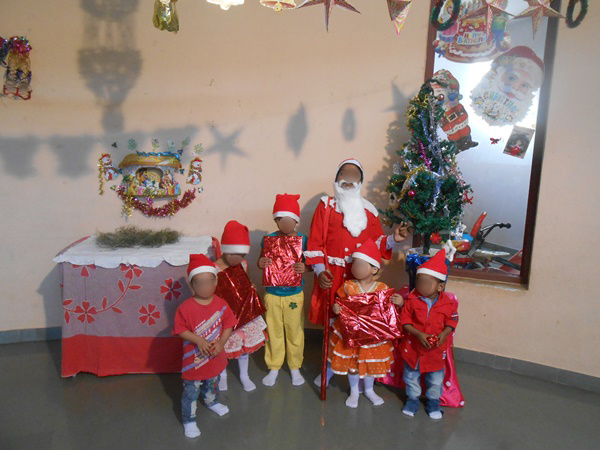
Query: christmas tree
[427,189]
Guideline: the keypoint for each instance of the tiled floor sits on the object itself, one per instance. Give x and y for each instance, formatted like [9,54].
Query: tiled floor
[39,410]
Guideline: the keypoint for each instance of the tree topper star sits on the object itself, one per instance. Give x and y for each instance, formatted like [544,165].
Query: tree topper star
[329,4]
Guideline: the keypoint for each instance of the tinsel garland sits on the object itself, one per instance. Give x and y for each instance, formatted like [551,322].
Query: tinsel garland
[130,203]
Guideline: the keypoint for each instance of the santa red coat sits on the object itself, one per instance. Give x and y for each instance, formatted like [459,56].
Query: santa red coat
[455,123]
[338,245]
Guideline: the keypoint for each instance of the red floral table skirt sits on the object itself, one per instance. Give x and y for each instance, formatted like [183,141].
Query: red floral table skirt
[119,321]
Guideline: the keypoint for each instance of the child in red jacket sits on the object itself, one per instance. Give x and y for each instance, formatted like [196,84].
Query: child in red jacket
[429,316]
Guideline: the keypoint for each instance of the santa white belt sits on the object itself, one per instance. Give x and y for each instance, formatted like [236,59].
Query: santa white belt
[335,260]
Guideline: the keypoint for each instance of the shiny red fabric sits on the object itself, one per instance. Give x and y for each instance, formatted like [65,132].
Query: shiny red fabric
[368,318]
[284,252]
[238,291]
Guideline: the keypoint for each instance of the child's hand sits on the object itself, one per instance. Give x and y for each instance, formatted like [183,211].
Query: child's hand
[203,346]
[397,300]
[423,340]
[441,338]
[216,347]
[337,308]
[264,262]
[299,267]
[325,279]
[401,233]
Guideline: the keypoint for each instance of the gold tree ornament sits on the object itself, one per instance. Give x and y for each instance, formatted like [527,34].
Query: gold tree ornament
[278,6]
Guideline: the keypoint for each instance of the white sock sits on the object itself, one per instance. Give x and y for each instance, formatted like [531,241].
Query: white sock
[271,377]
[435,415]
[223,380]
[247,384]
[191,430]
[297,378]
[370,393]
[408,413]
[352,400]
[329,375]
[219,408]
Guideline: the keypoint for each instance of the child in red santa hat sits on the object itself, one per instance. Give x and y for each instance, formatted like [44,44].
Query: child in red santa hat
[429,316]
[369,361]
[285,312]
[204,322]
[235,245]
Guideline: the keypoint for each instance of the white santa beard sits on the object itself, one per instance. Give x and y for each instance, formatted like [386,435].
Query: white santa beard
[350,204]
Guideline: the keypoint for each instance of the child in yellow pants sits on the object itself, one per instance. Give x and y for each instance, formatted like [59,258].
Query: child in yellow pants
[285,312]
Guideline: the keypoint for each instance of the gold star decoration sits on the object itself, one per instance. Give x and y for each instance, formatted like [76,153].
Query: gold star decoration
[398,12]
[536,10]
[329,4]
[490,8]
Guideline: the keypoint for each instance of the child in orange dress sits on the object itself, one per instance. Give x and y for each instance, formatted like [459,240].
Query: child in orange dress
[366,362]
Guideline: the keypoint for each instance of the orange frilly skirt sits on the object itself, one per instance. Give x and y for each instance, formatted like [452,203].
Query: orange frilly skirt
[373,360]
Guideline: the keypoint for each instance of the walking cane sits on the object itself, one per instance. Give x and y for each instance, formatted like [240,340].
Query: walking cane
[326,306]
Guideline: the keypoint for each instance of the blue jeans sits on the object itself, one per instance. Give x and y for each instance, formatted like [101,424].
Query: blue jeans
[192,389]
[433,382]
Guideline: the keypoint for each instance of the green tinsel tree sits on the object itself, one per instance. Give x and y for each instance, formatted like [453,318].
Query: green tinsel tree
[426,189]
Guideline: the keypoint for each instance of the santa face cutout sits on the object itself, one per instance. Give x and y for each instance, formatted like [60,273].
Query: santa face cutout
[505,93]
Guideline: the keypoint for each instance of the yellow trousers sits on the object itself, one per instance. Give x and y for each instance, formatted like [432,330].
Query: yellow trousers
[285,323]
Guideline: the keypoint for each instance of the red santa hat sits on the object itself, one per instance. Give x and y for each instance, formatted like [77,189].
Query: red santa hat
[524,58]
[200,264]
[369,252]
[286,205]
[236,238]
[354,162]
[436,266]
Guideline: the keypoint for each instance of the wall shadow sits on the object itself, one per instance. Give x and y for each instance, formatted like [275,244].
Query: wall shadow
[297,130]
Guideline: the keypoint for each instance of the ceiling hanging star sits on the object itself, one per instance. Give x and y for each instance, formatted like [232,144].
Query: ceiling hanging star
[536,10]
[329,4]
[398,12]
[489,9]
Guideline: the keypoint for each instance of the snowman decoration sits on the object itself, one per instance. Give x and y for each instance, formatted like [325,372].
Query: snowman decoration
[110,173]
[195,173]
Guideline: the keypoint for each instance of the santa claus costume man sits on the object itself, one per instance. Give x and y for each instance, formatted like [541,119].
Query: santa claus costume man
[340,225]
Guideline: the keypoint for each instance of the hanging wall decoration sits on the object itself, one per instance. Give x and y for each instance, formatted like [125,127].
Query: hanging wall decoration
[537,10]
[506,91]
[278,5]
[329,4]
[479,34]
[398,12]
[14,55]
[165,15]
[455,121]
[149,177]
[226,4]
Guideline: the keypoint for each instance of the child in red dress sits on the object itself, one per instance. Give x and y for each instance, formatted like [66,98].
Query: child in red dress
[235,245]
[204,322]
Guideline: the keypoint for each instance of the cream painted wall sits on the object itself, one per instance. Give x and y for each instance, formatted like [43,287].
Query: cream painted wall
[253,72]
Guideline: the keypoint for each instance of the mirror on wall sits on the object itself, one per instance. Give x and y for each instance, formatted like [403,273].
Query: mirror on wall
[494,70]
